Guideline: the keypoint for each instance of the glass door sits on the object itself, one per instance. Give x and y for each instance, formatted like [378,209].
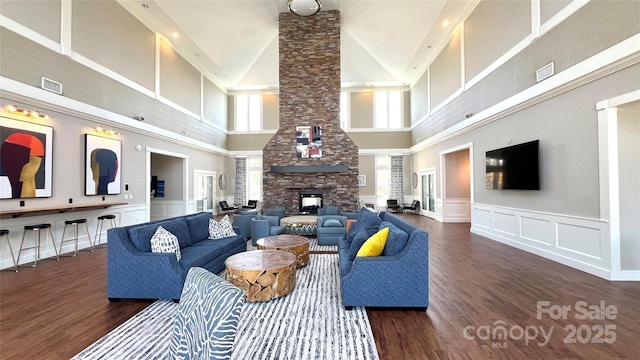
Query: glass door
[428,189]
[204,190]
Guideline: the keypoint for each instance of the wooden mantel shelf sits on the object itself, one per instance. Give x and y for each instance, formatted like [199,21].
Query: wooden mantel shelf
[309,168]
[56,209]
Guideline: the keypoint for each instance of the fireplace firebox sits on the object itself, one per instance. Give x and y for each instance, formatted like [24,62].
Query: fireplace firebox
[310,202]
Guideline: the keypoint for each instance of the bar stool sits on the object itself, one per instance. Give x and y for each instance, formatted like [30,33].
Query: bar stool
[101,220]
[37,230]
[4,234]
[75,224]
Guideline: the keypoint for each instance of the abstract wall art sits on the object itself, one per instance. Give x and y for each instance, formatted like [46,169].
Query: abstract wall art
[102,165]
[26,158]
[308,141]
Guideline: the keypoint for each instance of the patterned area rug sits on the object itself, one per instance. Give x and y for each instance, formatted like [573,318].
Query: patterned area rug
[309,323]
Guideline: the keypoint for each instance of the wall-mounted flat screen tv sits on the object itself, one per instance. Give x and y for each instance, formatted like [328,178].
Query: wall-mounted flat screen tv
[515,167]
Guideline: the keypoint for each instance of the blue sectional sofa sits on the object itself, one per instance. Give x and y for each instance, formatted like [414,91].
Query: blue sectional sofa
[133,271]
[397,278]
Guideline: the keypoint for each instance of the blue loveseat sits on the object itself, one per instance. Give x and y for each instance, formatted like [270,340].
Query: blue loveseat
[397,278]
[133,271]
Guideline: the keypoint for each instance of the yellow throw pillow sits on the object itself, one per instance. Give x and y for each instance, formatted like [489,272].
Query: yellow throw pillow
[375,244]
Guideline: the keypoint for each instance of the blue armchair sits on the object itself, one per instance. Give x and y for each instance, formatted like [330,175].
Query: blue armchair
[331,228]
[263,226]
[242,222]
[275,211]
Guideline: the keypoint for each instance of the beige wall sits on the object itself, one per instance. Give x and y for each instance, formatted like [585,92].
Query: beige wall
[179,81]
[484,44]
[549,8]
[214,107]
[106,33]
[40,16]
[361,109]
[381,140]
[367,167]
[445,75]
[270,112]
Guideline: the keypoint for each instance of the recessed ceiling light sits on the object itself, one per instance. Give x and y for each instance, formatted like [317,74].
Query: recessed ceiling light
[175,34]
[445,23]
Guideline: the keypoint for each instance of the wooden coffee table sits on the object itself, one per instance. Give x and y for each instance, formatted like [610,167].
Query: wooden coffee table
[295,244]
[262,274]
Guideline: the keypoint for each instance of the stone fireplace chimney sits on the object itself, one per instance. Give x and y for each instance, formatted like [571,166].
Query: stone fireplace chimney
[310,96]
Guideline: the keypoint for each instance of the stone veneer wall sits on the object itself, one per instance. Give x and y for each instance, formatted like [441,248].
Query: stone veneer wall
[310,96]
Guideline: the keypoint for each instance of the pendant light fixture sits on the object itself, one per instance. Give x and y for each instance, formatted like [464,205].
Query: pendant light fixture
[304,7]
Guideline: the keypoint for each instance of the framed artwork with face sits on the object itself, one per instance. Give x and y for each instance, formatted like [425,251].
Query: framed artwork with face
[103,162]
[26,158]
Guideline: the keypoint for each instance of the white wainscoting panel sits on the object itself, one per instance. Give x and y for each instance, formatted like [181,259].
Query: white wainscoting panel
[536,230]
[456,210]
[505,223]
[580,243]
[579,239]
[162,209]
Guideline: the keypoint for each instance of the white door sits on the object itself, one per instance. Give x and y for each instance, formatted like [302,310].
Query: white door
[428,190]
[204,190]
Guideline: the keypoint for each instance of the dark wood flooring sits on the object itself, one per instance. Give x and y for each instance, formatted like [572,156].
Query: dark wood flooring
[57,309]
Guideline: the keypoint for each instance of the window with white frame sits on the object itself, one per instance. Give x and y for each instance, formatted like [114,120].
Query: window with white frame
[388,109]
[248,112]
[382,180]
[344,110]
[254,178]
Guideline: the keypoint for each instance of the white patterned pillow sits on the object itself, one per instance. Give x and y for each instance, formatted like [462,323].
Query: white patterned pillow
[214,230]
[226,227]
[163,241]
[221,229]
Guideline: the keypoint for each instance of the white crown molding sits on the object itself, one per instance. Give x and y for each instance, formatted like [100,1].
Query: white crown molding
[384,152]
[259,132]
[245,153]
[375,130]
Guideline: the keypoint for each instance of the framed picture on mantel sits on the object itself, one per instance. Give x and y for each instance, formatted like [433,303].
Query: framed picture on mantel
[308,142]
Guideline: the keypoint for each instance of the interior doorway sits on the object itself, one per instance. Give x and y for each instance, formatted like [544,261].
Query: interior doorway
[456,183]
[170,169]
[619,163]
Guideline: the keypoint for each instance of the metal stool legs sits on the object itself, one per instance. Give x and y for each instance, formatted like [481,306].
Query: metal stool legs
[5,234]
[101,220]
[75,224]
[38,232]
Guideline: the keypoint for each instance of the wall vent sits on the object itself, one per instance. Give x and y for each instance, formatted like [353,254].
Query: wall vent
[52,86]
[544,72]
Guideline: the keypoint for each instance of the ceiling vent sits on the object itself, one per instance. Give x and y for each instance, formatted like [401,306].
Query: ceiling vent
[544,72]
[52,86]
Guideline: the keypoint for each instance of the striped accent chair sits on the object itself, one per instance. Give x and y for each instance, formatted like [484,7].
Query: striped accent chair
[207,318]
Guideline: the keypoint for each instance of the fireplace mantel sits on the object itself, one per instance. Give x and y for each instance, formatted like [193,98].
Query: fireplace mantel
[309,168]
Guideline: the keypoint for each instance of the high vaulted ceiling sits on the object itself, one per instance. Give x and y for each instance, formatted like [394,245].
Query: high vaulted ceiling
[235,43]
